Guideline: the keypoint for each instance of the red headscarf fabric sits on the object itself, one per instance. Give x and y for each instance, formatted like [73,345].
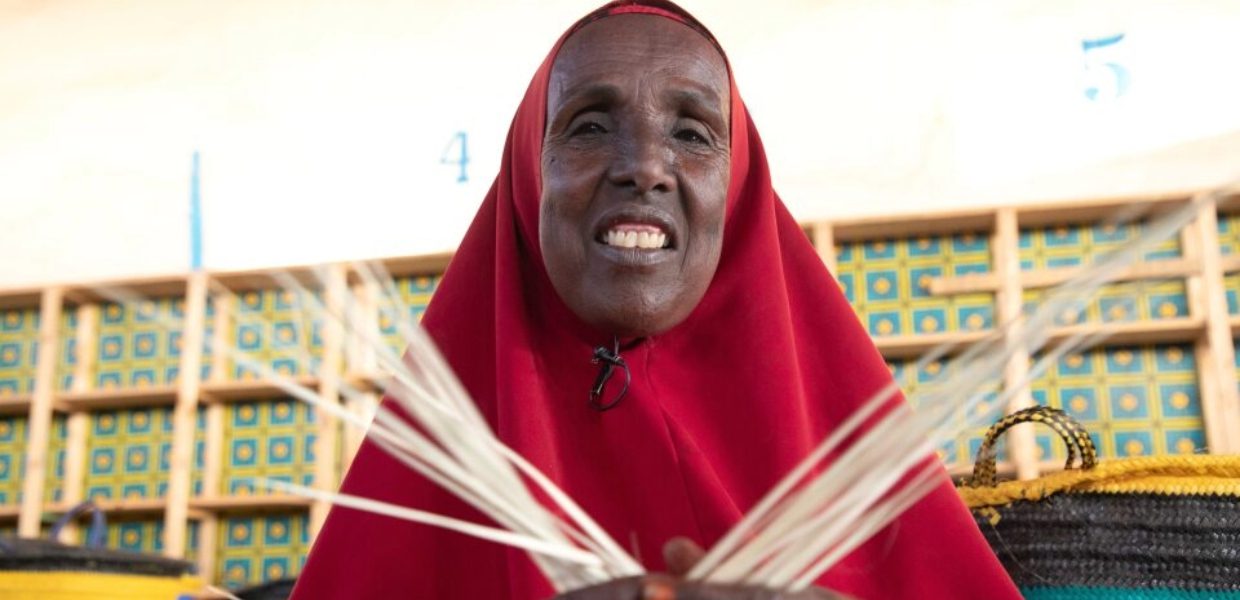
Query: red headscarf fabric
[719,409]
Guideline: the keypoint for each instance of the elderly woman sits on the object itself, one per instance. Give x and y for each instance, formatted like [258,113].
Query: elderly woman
[633,220]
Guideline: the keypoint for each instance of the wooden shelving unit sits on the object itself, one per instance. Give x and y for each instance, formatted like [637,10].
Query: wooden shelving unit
[347,368]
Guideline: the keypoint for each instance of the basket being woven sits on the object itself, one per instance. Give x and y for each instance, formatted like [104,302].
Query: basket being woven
[1146,528]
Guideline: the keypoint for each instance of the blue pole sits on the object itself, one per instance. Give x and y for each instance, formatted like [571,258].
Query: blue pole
[195,218]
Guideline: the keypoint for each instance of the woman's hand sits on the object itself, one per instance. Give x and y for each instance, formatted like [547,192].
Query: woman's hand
[681,554]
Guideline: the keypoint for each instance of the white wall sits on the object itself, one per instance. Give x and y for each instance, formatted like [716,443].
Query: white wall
[322,124]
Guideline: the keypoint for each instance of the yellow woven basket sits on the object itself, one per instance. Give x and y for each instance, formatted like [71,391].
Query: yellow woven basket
[1156,528]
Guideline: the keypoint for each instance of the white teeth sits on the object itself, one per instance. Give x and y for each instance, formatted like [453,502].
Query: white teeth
[635,239]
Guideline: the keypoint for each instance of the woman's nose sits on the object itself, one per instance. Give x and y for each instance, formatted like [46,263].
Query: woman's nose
[643,161]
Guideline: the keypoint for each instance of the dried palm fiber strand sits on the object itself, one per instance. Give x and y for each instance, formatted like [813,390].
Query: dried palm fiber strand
[450,445]
[811,519]
[846,490]
[1151,527]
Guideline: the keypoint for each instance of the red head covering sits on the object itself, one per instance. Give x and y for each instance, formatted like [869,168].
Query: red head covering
[720,407]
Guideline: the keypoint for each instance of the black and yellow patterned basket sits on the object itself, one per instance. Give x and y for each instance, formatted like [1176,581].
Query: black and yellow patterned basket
[1146,528]
[33,569]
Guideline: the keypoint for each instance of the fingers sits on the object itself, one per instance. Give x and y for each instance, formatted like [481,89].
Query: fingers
[680,554]
[654,586]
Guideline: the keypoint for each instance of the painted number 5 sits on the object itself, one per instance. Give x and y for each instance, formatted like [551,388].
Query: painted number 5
[1104,77]
[458,157]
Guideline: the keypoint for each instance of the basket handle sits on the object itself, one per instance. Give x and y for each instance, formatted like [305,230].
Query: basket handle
[1074,436]
[98,532]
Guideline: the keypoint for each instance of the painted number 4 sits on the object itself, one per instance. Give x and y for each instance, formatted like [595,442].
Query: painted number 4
[457,153]
[1105,78]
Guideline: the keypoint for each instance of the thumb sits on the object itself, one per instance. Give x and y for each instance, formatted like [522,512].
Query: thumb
[680,554]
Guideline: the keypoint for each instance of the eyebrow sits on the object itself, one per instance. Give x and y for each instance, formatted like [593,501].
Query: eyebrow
[699,96]
[589,94]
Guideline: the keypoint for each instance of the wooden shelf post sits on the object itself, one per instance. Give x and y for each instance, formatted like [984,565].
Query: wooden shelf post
[78,425]
[1005,247]
[325,451]
[39,425]
[213,445]
[824,242]
[184,416]
[1220,401]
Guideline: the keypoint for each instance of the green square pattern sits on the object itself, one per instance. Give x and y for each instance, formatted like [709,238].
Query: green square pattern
[12,451]
[139,344]
[1229,244]
[259,547]
[130,453]
[887,282]
[1069,246]
[13,432]
[415,294]
[1134,400]
[147,536]
[278,329]
[271,439]
[19,349]
[959,451]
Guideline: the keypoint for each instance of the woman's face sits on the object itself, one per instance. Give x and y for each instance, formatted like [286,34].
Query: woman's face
[635,172]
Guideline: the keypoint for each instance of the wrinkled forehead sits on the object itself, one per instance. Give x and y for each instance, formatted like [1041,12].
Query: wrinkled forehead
[625,44]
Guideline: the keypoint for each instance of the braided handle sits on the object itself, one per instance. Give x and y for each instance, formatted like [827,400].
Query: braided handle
[1072,433]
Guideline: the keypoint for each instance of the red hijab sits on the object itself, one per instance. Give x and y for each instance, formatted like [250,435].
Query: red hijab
[720,407]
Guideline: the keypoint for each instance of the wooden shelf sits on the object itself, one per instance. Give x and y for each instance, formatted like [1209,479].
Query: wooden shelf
[366,382]
[249,389]
[1230,263]
[881,228]
[256,501]
[1077,211]
[410,266]
[127,506]
[16,404]
[149,287]
[1045,278]
[914,345]
[161,395]
[1161,331]
[20,298]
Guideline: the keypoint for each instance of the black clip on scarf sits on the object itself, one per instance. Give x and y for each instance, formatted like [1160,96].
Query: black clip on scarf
[608,360]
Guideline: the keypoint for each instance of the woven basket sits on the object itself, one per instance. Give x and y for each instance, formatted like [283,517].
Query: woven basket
[46,570]
[1146,528]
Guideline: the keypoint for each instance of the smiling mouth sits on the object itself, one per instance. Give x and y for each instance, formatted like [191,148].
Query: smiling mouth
[641,236]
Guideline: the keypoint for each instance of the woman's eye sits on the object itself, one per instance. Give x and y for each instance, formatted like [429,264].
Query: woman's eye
[588,128]
[691,135]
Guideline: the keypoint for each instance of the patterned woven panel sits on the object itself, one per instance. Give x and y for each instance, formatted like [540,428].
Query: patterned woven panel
[272,439]
[13,466]
[66,356]
[258,547]
[19,344]
[1134,400]
[1229,244]
[887,283]
[54,479]
[140,343]
[961,451]
[1067,246]
[147,536]
[415,293]
[276,328]
[131,450]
